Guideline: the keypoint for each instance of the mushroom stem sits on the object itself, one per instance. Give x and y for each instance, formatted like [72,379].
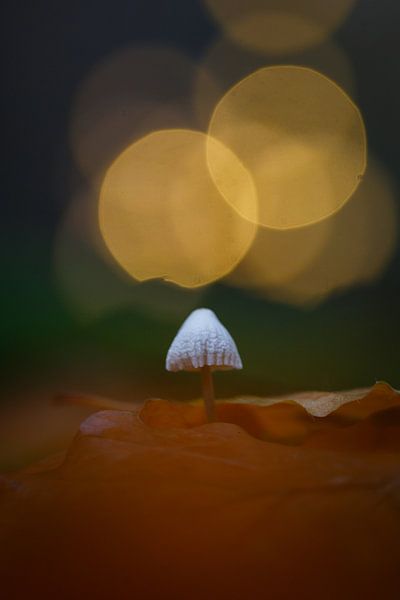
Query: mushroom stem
[208,392]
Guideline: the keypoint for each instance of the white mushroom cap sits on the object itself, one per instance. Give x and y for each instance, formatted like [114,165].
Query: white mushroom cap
[202,340]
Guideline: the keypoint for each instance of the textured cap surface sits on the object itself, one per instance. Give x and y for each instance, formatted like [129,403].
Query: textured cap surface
[202,340]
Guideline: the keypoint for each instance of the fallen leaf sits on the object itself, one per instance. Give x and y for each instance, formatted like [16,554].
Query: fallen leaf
[156,504]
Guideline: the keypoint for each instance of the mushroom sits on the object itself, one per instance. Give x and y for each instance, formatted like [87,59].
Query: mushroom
[203,344]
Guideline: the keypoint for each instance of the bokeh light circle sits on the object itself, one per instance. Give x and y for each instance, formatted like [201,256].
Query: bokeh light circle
[132,92]
[279,26]
[161,215]
[300,136]
[278,256]
[352,248]
[224,63]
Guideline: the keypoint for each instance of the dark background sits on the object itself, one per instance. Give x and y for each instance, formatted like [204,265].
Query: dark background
[49,47]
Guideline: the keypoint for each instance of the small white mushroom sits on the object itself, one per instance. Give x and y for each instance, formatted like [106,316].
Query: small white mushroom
[203,344]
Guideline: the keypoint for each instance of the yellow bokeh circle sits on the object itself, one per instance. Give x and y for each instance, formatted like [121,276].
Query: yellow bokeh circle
[162,216]
[131,92]
[279,26]
[300,136]
[305,266]
[224,63]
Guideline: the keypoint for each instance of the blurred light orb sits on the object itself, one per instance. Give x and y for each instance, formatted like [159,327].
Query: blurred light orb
[224,64]
[161,215]
[134,91]
[300,136]
[277,256]
[358,245]
[279,26]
